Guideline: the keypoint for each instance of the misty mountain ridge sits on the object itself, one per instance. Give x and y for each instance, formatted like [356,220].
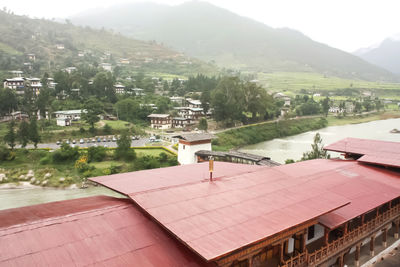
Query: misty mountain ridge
[208,32]
[385,55]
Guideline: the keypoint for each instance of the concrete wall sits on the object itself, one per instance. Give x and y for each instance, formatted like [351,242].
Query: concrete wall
[186,152]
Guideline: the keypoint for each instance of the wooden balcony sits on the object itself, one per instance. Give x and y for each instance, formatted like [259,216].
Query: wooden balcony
[345,242]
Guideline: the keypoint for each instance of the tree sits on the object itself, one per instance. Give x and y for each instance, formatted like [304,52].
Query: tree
[205,100]
[33,131]
[92,109]
[203,125]
[23,133]
[10,137]
[127,109]
[123,149]
[317,151]
[228,100]
[325,106]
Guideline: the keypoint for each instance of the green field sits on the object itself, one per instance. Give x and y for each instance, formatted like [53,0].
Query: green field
[295,81]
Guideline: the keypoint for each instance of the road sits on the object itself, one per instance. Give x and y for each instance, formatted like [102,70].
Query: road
[134,143]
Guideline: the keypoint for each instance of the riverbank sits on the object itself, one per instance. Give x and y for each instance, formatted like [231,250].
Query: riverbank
[253,134]
[355,119]
[261,132]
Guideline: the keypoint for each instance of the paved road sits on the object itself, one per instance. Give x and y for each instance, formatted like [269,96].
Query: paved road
[140,142]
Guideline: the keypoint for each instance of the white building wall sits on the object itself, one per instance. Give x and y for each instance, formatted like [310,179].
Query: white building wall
[186,153]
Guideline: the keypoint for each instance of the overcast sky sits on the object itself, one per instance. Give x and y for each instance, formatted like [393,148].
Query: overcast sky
[344,24]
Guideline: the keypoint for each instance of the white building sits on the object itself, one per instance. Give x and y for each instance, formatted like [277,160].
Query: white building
[70,69]
[17,73]
[14,83]
[160,121]
[119,89]
[192,103]
[106,66]
[138,91]
[72,115]
[189,144]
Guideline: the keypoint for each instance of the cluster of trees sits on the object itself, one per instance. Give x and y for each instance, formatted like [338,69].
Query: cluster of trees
[26,132]
[232,99]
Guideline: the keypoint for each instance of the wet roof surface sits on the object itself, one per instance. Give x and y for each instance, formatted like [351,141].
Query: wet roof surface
[374,151]
[134,182]
[97,231]
[237,209]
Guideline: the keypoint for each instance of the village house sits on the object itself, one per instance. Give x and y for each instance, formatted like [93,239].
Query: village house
[319,212]
[28,66]
[177,99]
[119,89]
[124,61]
[160,121]
[14,83]
[181,122]
[193,103]
[65,117]
[60,46]
[106,66]
[31,57]
[138,91]
[70,69]
[17,73]
[34,84]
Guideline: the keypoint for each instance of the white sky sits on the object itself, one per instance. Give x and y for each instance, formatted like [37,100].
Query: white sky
[344,24]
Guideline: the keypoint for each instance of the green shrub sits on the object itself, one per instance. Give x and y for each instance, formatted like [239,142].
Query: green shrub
[96,153]
[65,153]
[107,129]
[5,153]
[45,160]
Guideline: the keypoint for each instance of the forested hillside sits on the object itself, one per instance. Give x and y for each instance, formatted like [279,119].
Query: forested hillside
[57,46]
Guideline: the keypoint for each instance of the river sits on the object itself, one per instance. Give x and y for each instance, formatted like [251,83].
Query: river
[292,147]
[278,149]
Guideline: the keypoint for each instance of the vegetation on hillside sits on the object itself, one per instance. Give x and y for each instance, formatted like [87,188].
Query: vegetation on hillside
[252,134]
[57,46]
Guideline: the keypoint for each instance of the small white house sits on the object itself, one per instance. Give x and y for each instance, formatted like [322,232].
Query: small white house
[63,122]
[72,115]
[189,144]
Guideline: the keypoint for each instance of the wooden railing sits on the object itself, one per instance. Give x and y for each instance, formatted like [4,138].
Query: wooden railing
[318,256]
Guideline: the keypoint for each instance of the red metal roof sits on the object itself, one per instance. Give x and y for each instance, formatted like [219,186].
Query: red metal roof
[88,231]
[216,218]
[373,151]
[133,182]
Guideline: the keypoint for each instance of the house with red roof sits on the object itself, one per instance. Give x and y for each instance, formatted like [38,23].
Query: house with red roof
[314,213]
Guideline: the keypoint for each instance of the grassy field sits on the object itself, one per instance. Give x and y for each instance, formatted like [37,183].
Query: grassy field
[49,173]
[295,81]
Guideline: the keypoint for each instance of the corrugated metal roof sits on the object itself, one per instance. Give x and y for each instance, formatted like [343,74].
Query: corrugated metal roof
[237,209]
[89,231]
[374,151]
[216,218]
[147,180]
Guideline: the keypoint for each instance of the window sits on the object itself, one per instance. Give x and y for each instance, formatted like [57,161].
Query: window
[311,231]
[183,146]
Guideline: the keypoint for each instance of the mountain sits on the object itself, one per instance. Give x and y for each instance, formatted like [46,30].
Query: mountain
[56,45]
[210,33]
[385,55]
